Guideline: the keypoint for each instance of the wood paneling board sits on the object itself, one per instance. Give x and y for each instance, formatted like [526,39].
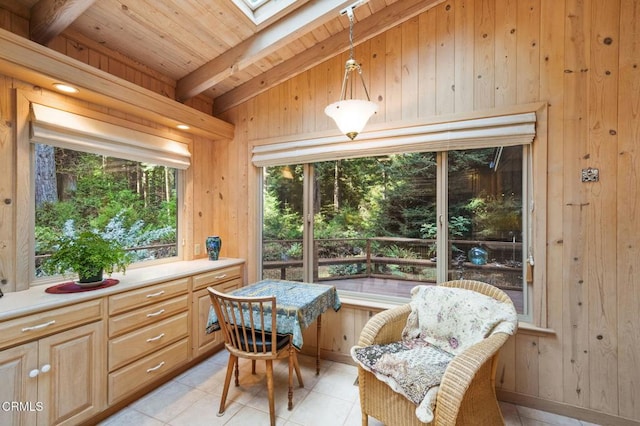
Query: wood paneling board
[551,89]
[484,54]
[393,76]
[377,72]
[427,64]
[445,59]
[526,364]
[7,187]
[601,230]
[410,69]
[528,51]
[464,54]
[628,211]
[505,371]
[505,59]
[576,204]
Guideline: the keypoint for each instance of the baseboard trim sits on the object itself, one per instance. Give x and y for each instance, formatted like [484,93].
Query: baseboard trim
[573,411]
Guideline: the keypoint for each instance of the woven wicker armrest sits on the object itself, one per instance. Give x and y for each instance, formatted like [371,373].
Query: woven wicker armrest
[470,375]
[385,327]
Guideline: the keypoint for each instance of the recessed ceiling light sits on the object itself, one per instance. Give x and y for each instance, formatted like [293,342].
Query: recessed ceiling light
[182,127]
[65,88]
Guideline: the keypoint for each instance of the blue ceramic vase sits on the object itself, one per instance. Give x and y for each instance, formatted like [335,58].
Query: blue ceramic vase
[214,244]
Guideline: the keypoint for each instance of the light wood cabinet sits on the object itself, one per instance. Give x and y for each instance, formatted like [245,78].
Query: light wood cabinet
[148,335]
[57,379]
[71,364]
[225,279]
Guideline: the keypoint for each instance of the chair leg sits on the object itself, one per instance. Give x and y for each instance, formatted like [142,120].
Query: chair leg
[272,405]
[292,354]
[237,373]
[365,419]
[233,360]
[253,366]
[296,365]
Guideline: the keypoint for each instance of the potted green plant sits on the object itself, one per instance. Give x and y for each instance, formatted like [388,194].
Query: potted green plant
[89,255]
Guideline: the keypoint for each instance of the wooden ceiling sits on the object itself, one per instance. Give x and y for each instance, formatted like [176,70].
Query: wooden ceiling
[210,46]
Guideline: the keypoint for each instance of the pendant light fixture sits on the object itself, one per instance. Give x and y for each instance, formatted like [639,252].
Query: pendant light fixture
[351,115]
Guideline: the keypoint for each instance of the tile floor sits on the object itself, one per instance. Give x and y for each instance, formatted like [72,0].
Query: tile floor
[331,398]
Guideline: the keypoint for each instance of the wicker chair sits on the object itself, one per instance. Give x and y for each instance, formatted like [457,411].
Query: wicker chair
[243,321]
[467,390]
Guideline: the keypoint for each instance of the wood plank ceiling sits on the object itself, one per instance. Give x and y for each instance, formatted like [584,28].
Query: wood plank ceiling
[210,46]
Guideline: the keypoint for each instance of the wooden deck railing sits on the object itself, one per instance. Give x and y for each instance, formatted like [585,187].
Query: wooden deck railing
[371,265]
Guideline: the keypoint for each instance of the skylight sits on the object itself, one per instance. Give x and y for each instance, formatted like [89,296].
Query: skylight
[261,10]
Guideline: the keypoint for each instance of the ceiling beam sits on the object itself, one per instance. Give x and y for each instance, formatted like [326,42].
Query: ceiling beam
[364,30]
[259,46]
[51,17]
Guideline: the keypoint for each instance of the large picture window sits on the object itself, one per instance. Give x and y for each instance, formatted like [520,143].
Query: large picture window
[380,226]
[130,201]
[92,172]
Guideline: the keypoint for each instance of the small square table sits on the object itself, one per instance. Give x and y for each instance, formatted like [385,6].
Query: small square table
[298,305]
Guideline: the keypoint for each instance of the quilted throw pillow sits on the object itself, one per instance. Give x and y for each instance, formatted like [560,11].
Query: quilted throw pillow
[454,319]
[412,368]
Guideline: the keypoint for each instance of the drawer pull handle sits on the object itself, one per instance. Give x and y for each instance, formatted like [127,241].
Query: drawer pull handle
[219,277]
[153,339]
[39,326]
[155,314]
[45,368]
[149,370]
[160,293]
[34,373]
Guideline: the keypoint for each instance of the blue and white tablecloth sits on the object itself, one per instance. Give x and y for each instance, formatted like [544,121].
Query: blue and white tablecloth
[298,304]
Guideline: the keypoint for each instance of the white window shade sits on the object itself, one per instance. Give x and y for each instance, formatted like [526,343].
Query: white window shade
[63,129]
[505,130]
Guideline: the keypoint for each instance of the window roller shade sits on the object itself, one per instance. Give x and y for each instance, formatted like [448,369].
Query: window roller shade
[63,129]
[506,130]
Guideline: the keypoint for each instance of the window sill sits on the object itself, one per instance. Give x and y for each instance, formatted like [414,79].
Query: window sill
[382,303]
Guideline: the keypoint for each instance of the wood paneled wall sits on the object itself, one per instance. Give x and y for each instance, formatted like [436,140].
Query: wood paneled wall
[582,57]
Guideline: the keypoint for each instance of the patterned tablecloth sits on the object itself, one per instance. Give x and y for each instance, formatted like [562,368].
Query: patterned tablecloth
[298,304]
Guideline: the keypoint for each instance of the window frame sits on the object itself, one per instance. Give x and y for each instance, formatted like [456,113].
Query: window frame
[536,307]
[25,203]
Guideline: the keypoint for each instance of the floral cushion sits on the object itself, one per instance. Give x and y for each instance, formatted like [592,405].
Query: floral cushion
[412,368]
[454,318]
[443,323]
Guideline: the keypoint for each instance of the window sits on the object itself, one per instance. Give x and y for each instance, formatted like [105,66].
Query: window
[88,171]
[131,201]
[377,225]
[259,11]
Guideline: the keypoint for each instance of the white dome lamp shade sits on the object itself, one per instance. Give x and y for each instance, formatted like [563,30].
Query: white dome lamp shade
[351,115]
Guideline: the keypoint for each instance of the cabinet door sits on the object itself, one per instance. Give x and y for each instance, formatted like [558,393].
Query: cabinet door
[19,391]
[201,341]
[72,379]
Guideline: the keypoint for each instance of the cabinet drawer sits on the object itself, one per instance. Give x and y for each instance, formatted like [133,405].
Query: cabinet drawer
[147,370]
[34,326]
[132,346]
[145,296]
[147,315]
[217,276]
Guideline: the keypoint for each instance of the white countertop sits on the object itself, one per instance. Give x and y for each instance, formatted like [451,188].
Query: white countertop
[16,304]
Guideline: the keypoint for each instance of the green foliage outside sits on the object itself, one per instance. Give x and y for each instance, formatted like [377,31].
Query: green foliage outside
[124,201]
[393,196]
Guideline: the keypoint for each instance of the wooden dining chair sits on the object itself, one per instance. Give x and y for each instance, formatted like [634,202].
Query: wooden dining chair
[249,328]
